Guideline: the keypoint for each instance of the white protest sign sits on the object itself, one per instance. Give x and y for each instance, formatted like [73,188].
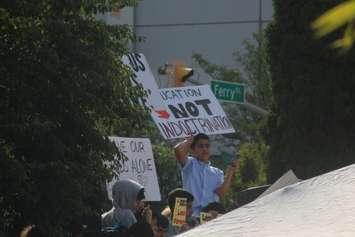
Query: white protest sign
[144,77]
[178,112]
[139,166]
[192,110]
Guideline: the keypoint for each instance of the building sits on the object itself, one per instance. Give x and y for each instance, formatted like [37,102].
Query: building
[176,29]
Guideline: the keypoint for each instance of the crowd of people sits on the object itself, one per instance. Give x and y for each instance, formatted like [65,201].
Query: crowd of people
[193,204]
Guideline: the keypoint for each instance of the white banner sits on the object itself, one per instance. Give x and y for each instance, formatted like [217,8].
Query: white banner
[139,166]
[192,110]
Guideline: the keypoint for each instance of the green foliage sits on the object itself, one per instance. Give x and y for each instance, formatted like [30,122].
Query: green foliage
[253,71]
[167,169]
[311,129]
[252,171]
[63,89]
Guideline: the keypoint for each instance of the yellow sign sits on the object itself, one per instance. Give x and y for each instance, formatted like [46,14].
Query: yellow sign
[204,217]
[179,217]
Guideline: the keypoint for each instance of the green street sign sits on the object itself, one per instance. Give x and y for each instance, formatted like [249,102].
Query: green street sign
[228,91]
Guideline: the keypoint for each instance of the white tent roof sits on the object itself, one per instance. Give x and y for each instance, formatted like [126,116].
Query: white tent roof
[321,206]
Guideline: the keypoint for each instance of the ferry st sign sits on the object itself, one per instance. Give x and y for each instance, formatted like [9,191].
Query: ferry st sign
[228,91]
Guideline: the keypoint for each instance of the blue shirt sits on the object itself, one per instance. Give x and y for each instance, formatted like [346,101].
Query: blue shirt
[201,179]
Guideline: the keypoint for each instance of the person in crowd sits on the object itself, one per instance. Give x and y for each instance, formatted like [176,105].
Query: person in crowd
[159,224]
[190,222]
[205,182]
[32,231]
[128,197]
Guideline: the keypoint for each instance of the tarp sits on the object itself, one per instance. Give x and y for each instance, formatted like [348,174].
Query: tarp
[287,179]
[321,206]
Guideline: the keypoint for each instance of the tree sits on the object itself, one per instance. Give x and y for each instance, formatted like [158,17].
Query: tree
[253,70]
[63,90]
[167,169]
[311,129]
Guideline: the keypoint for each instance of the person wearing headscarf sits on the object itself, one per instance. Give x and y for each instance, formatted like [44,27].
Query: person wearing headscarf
[127,200]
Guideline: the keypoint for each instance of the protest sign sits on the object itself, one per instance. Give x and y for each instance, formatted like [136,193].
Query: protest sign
[179,216]
[192,110]
[139,165]
[144,78]
[178,112]
[204,217]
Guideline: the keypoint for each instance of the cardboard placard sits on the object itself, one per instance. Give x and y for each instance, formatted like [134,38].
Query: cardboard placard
[179,217]
[139,165]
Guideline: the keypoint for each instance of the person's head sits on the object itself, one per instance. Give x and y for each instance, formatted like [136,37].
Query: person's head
[160,224]
[200,147]
[128,194]
[180,193]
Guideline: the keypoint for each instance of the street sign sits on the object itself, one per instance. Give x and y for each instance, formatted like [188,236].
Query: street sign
[228,91]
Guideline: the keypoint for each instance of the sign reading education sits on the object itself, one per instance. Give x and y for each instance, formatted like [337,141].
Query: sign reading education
[178,112]
[228,91]
[139,165]
[192,110]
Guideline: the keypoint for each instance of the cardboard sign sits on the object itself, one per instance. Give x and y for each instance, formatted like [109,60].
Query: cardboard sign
[204,217]
[192,110]
[179,217]
[144,77]
[139,166]
[178,112]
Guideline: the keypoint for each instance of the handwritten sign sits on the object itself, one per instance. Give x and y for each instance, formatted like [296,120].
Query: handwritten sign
[179,217]
[139,165]
[178,112]
[144,78]
[192,110]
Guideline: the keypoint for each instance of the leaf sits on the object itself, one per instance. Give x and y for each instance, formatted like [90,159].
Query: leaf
[347,41]
[334,18]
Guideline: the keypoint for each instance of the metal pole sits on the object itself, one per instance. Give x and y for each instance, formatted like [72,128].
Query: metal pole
[255,108]
[134,46]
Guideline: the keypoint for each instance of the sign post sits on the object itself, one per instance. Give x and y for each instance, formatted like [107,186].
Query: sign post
[228,91]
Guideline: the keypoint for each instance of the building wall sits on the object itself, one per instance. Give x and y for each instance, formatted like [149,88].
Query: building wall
[178,29]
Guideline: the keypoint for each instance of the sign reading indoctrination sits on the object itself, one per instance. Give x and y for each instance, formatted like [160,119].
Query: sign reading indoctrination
[192,110]
[228,91]
[178,112]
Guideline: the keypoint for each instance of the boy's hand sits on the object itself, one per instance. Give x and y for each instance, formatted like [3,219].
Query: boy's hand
[147,214]
[234,166]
